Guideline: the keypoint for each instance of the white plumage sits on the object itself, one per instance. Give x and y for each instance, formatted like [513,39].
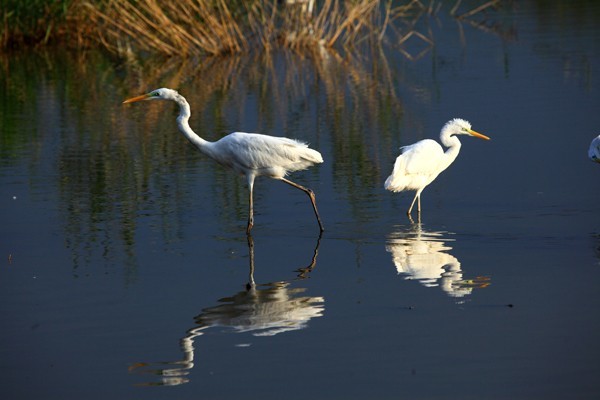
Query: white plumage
[594,150]
[420,163]
[263,155]
[249,154]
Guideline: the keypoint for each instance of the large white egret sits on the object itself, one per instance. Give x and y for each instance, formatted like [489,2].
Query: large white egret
[250,154]
[420,163]
[594,151]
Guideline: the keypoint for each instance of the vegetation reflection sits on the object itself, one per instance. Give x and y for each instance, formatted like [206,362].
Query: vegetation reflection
[62,119]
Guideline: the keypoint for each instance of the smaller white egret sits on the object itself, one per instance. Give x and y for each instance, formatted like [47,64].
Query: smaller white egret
[594,151]
[420,163]
[249,154]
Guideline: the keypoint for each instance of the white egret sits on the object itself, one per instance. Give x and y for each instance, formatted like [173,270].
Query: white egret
[420,163]
[250,154]
[594,151]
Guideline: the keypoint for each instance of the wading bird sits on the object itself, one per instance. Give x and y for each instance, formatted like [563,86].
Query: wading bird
[420,163]
[594,151]
[249,154]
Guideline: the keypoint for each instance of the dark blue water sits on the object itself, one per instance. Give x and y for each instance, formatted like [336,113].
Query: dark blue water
[125,270]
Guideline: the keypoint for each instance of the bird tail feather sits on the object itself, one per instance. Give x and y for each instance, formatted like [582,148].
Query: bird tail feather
[396,182]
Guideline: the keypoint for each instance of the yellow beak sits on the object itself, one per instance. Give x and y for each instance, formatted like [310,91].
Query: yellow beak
[137,98]
[477,134]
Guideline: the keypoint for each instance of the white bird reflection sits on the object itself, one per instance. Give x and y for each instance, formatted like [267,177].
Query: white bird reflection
[424,256]
[261,309]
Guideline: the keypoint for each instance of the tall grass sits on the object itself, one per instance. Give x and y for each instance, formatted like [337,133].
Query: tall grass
[211,27]
[30,20]
[169,27]
[189,27]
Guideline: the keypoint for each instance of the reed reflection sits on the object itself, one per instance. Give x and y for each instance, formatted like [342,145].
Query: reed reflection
[264,309]
[425,257]
[114,174]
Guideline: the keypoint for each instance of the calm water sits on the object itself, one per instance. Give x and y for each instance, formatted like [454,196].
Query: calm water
[125,271]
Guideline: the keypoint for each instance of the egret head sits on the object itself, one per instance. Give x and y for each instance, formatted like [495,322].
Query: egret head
[458,126]
[158,94]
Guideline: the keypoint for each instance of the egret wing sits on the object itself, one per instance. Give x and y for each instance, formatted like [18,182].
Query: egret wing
[423,157]
[268,155]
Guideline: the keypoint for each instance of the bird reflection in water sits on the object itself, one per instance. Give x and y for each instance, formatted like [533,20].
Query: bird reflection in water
[424,256]
[261,309]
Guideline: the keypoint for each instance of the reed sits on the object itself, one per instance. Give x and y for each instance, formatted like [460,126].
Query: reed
[183,27]
[215,27]
[196,27]
[30,21]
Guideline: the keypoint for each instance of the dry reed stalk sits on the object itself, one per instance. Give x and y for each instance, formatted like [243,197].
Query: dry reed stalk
[189,27]
[474,11]
[172,28]
[336,22]
[262,22]
[214,27]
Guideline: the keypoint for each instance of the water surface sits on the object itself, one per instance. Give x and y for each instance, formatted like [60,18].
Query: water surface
[126,270]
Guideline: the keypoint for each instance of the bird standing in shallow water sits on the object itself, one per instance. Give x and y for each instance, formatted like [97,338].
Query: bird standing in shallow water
[594,151]
[420,163]
[250,154]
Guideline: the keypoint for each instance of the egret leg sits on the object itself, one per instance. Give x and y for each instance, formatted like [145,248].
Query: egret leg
[413,203]
[311,195]
[250,206]
[251,284]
